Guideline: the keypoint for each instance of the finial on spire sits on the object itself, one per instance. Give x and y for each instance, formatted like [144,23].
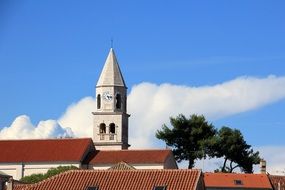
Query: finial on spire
[112,41]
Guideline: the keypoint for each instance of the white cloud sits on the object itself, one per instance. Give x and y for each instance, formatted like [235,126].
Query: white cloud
[150,106]
[22,128]
[275,158]
[76,121]
[79,117]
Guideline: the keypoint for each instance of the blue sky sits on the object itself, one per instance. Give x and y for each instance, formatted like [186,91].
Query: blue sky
[51,53]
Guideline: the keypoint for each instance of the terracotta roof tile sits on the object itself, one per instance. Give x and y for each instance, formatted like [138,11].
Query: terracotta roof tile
[130,156]
[121,180]
[278,182]
[20,186]
[227,180]
[44,150]
[122,166]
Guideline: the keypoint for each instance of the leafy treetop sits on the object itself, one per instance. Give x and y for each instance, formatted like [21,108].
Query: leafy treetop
[195,138]
[34,178]
[188,137]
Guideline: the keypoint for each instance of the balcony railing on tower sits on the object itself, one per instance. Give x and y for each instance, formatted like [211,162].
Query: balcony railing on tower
[108,137]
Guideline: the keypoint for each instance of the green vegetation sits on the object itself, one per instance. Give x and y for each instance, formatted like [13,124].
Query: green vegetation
[34,178]
[195,138]
[188,137]
[229,144]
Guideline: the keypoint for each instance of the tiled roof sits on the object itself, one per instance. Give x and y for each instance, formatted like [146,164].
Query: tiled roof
[227,180]
[120,180]
[130,156]
[20,186]
[278,182]
[122,166]
[44,150]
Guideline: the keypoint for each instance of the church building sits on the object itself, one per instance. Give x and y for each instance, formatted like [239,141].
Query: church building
[108,148]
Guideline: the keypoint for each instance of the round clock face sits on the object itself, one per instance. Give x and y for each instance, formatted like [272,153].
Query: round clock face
[107,96]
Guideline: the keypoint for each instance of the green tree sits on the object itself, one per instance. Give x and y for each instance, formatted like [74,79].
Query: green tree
[230,144]
[34,178]
[188,137]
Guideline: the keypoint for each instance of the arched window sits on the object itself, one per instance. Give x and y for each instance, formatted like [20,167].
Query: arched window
[102,128]
[112,128]
[98,101]
[112,131]
[118,101]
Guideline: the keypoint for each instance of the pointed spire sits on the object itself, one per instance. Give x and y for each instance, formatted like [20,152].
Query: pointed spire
[111,74]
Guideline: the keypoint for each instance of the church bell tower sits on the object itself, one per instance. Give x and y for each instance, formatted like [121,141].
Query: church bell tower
[110,130]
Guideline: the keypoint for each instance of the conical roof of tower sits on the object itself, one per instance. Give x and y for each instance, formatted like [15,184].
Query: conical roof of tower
[111,74]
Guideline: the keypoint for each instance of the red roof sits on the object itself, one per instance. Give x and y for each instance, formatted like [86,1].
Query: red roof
[121,180]
[130,156]
[20,186]
[278,182]
[227,180]
[44,150]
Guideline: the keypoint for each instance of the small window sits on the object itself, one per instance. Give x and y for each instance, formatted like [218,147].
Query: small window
[102,128]
[118,101]
[93,188]
[112,128]
[98,101]
[159,188]
[238,182]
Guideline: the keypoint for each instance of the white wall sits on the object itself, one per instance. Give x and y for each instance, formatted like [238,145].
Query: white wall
[12,169]
[19,170]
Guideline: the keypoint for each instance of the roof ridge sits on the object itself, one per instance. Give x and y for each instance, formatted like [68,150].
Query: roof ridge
[141,170]
[134,150]
[52,139]
[221,173]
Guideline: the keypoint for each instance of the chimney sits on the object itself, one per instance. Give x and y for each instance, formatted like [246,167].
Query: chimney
[262,166]
[3,180]
[10,184]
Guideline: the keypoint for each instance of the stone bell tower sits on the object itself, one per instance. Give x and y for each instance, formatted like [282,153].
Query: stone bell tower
[110,130]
